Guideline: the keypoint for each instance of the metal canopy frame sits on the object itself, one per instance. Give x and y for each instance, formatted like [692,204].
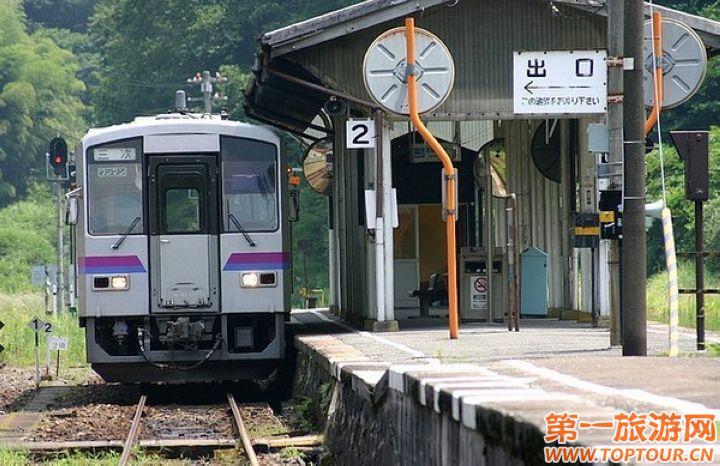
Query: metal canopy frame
[363,15]
[279,45]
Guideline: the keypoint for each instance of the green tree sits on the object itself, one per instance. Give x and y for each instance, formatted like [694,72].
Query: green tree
[60,14]
[26,238]
[39,97]
[149,49]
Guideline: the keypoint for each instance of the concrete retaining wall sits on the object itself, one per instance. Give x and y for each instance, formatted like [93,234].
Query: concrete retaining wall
[383,415]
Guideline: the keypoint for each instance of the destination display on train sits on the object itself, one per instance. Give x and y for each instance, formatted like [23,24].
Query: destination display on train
[115,154]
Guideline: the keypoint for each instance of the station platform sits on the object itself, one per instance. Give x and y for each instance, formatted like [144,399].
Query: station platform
[485,398]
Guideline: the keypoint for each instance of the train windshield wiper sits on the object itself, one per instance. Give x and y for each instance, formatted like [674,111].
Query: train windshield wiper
[125,235]
[241,230]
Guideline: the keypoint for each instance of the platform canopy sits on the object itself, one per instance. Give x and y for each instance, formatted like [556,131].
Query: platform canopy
[328,51]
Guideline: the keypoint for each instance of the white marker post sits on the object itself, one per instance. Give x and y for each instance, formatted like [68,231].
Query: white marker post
[48,335]
[58,344]
[35,325]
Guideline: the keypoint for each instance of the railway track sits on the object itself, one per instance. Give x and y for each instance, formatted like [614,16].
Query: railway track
[133,437]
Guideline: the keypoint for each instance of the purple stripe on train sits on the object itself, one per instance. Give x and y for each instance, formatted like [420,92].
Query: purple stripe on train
[241,261]
[110,264]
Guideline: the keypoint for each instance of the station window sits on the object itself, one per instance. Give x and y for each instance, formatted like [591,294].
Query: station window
[249,185]
[114,191]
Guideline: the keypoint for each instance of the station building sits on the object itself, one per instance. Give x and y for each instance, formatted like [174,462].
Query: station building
[544,161]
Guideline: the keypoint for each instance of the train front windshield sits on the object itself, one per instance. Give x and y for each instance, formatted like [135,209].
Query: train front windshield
[115,185]
[249,188]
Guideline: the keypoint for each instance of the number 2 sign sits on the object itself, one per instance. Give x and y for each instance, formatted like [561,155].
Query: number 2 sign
[360,134]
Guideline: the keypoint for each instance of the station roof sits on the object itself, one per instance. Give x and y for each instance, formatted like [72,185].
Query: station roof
[326,51]
[371,12]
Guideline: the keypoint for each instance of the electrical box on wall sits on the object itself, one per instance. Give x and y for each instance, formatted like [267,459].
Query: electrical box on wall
[693,149]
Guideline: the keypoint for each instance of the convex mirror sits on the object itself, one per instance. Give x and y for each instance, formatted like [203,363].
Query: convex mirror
[318,166]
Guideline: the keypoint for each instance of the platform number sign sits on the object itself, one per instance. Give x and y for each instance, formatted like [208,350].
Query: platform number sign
[360,134]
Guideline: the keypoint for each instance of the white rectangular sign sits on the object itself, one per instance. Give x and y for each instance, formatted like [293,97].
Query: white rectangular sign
[58,343]
[38,277]
[558,82]
[360,134]
[478,292]
[115,154]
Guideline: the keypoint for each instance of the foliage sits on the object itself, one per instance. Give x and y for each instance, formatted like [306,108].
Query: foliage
[39,96]
[77,458]
[27,237]
[690,6]
[681,208]
[657,298]
[149,49]
[87,57]
[61,14]
[310,231]
[16,311]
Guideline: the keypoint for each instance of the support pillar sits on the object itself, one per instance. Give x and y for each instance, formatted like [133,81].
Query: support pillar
[384,225]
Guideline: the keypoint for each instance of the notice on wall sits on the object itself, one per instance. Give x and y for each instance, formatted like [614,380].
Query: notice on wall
[559,82]
[478,292]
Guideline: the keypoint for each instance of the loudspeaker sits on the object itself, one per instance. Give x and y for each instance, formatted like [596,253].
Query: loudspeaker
[334,107]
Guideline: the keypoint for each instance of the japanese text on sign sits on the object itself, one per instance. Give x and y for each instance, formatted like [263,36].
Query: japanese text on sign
[560,82]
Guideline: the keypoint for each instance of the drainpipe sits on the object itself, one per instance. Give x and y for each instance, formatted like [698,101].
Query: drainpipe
[513,252]
[388,214]
[658,75]
[379,222]
[449,172]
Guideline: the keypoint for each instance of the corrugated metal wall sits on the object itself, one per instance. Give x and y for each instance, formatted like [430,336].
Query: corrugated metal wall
[481,35]
[540,204]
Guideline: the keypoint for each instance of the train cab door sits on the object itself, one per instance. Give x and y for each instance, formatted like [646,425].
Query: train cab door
[183,213]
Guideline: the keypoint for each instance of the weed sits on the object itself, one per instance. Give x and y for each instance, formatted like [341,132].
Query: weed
[13,458]
[16,311]
[713,349]
[291,452]
[657,298]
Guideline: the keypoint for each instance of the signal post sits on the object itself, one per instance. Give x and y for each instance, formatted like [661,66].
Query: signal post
[58,172]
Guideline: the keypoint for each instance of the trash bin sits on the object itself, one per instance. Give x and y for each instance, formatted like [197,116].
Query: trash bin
[533,282]
[473,285]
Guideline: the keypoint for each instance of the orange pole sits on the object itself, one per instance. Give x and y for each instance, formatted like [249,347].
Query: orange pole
[448,170]
[658,75]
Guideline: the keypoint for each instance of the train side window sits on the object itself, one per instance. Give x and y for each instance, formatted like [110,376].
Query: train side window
[115,191]
[182,210]
[249,184]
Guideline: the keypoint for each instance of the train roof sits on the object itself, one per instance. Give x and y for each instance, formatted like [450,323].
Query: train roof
[170,123]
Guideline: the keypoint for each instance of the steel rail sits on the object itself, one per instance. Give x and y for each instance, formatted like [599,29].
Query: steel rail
[247,443]
[133,433]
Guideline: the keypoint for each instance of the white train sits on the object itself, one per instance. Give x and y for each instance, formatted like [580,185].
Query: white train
[182,249]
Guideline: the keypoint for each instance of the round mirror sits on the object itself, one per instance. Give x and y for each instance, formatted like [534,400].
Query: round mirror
[545,152]
[318,166]
[495,152]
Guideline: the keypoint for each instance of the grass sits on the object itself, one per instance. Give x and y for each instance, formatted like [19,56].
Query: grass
[657,298]
[16,311]
[19,458]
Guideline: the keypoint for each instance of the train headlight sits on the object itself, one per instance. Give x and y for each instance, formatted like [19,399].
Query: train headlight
[119,282]
[250,280]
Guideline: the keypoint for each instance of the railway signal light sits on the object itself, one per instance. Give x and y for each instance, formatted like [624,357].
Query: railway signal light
[58,157]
